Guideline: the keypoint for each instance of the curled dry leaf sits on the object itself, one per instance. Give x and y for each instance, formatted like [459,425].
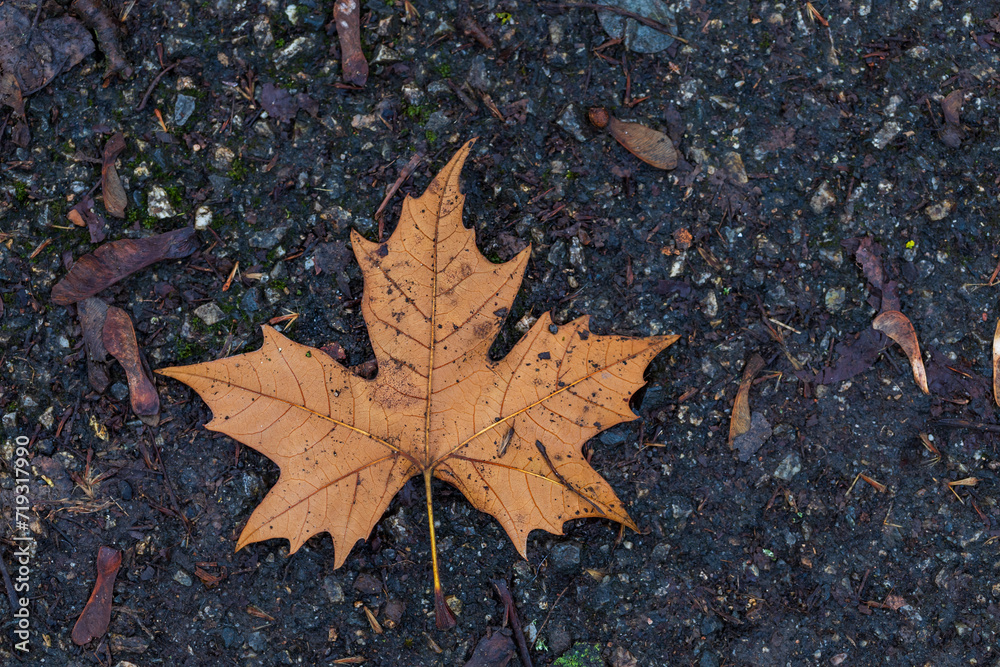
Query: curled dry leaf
[438,407]
[115,199]
[96,616]
[84,215]
[495,650]
[119,259]
[740,421]
[119,340]
[996,364]
[93,313]
[352,59]
[652,147]
[898,327]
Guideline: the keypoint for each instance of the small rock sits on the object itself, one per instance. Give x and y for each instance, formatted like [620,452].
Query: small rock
[822,199]
[10,420]
[478,77]
[789,467]
[210,313]
[835,298]
[262,35]
[268,238]
[886,134]
[569,121]
[557,253]
[940,210]
[222,158]
[183,109]
[229,637]
[612,438]
[834,257]
[748,443]
[366,122]
[47,420]
[437,121]
[183,578]
[708,659]
[386,56]
[367,584]
[250,302]
[257,641]
[333,589]
[202,218]
[576,254]
[710,304]
[122,644]
[413,94]
[565,556]
[639,38]
[119,390]
[158,203]
[284,56]
[919,52]
[733,163]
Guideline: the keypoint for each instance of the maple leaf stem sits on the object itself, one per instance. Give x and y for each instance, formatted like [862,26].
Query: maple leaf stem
[442,614]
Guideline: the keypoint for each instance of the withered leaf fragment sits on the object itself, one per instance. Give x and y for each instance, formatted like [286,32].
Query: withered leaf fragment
[84,215]
[494,650]
[439,406]
[115,199]
[898,327]
[652,147]
[96,616]
[119,340]
[996,364]
[93,313]
[119,259]
[352,59]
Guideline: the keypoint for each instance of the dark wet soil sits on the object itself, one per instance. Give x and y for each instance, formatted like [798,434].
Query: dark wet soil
[797,133]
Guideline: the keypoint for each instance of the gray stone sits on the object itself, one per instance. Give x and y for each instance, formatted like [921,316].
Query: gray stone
[478,77]
[886,134]
[569,120]
[268,238]
[158,203]
[333,589]
[835,298]
[437,121]
[250,302]
[565,556]
[262,34]
[119,390]
[229,637]
[183,578]
[203,218]
[257,641]
[822,199]
[557,253]
[210,313]
[284,56]
[222,158]
[940,210]
[639,38]
[789,467]
[386,56]
[183,109]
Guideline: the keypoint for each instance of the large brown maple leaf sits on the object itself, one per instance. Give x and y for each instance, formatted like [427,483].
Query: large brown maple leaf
[507,433]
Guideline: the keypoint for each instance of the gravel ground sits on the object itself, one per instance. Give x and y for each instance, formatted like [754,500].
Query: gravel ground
[797,132]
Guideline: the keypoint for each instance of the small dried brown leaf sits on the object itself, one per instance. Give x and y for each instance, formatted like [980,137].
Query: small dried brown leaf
[898,327]
[347,15]
[115,198]
[996,364]
[93,313]
[96,615]
[740,421]
[652,147]
[119,259]
[119,339]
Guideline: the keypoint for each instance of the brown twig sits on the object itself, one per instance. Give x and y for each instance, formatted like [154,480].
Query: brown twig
[152,86]
[510,612]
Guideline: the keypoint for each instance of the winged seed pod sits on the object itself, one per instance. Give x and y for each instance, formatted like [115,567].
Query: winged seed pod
[652,147]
